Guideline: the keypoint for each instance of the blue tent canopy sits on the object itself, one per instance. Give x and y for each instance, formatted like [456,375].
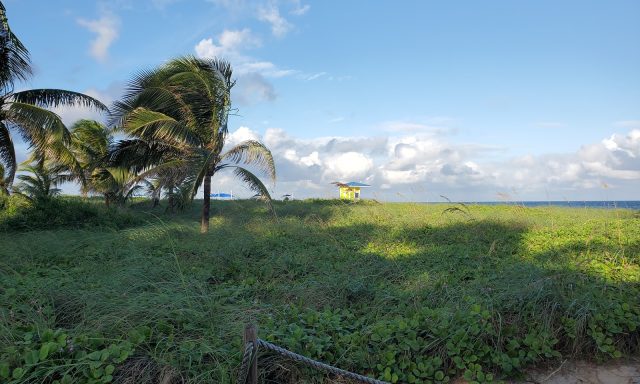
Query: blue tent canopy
[356,184]
[221,195]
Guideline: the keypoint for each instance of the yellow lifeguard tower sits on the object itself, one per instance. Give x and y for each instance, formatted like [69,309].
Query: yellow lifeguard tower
[350,190]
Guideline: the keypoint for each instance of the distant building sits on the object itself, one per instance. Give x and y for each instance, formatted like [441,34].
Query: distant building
[350,190]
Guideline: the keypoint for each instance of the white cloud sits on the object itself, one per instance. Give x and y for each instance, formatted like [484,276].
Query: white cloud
[271,14]
[315,76]
[628,124]
[300,9]
[311,160]
[347,166]
[241,134]
[416,166]
[265,68]
[106,30]
[252,86]
[232,45]
[228,45]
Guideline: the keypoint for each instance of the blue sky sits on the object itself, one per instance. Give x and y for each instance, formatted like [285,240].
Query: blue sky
[475,100]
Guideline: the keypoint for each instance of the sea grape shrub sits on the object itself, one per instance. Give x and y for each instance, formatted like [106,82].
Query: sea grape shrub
[21,215]
[438,345]
[60,358]
[608,328]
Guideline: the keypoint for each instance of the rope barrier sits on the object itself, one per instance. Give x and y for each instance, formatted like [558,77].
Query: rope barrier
[247,359]
[316,364]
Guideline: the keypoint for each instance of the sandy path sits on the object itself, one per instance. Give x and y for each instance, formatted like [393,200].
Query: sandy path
[580,372]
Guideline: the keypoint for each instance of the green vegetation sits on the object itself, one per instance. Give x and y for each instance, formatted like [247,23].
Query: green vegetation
[25,112]
[175,118]
[402,292]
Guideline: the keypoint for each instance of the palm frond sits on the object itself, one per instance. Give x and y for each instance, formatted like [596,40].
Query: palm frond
[254,184]
[158,97]
[15,63]
[38,126]
[156,126]
[7,155]
[252,152]
[139,155]
[176,169]
[50,98]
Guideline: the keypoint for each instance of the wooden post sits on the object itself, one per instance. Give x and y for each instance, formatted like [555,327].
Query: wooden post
[251,335]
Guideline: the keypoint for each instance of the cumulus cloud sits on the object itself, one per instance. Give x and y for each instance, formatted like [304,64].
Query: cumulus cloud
[409,166]
[252,88]
[270,13]
[228,45]
[253,74]
[106,30]
[252,85]
[349,165]
[241,134]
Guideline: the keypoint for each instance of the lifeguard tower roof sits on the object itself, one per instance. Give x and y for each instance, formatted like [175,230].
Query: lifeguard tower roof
[356,184]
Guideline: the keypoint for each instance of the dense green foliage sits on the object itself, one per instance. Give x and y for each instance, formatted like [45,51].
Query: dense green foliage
[403,292]
[175,118]
[17,214]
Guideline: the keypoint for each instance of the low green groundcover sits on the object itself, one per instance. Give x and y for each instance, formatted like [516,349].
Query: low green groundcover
[401,292]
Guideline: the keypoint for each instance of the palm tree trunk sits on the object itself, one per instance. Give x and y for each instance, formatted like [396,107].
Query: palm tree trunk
[170,200]
[204,223]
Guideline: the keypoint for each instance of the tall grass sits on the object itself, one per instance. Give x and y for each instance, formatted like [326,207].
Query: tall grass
[403,292]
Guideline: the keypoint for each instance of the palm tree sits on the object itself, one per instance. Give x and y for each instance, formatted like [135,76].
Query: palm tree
[24,112]
[154,190]
[174,182]
[89,147]
[90,143]
[177,117]
[41,181]
[116,184]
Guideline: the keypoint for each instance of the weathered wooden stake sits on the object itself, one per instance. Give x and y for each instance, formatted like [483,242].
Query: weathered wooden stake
[251,335]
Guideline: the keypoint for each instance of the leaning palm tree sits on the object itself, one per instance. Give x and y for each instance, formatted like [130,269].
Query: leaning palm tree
[177,117]
[25,112]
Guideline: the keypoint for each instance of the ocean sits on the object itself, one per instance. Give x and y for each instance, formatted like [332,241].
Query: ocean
[630,204]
